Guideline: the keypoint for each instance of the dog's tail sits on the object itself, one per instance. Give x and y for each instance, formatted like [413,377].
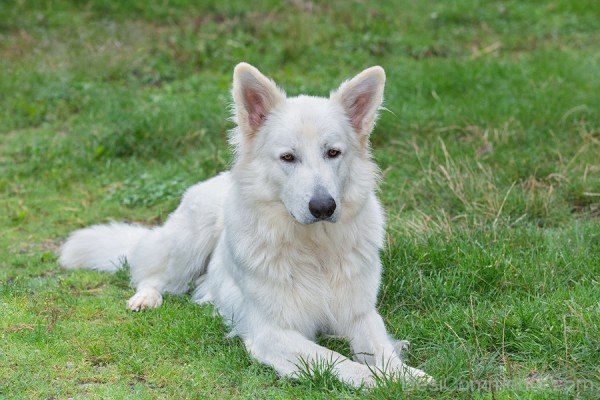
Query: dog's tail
[100,247]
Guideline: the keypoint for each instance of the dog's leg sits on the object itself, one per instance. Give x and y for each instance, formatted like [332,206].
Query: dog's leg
[290,353]
[373,346]
[148,262]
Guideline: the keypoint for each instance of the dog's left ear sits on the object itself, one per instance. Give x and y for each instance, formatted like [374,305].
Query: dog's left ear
[254,96]
[361,97]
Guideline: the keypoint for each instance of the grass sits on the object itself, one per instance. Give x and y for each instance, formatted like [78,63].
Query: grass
[490,154]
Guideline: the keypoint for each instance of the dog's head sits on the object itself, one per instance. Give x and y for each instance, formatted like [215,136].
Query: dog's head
[307,154]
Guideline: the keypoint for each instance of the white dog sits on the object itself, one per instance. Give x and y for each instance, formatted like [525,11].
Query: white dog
[286,244]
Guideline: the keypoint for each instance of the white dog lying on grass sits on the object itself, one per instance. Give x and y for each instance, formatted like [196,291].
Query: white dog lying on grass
[286,244]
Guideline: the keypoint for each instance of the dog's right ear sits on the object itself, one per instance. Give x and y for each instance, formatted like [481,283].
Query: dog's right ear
[254,96]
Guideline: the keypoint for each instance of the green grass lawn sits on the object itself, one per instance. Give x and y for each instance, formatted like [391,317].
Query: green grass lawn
[490,152]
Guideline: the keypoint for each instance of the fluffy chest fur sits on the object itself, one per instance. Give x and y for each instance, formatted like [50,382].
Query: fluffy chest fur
[308,278]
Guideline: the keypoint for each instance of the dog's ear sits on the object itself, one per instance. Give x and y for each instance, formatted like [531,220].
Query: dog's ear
[361,97]
[254,96]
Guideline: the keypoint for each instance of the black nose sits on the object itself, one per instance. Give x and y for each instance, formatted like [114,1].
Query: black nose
[322,206]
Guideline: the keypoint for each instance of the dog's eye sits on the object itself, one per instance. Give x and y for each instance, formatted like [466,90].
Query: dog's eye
[333,153]
[287,157]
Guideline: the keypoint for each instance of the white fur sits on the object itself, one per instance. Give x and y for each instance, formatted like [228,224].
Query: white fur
[246,238]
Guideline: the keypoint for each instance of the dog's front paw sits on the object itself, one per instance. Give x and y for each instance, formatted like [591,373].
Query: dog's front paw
[145,298]
[355,374]
[360,377]
[397,369]
[416,376]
